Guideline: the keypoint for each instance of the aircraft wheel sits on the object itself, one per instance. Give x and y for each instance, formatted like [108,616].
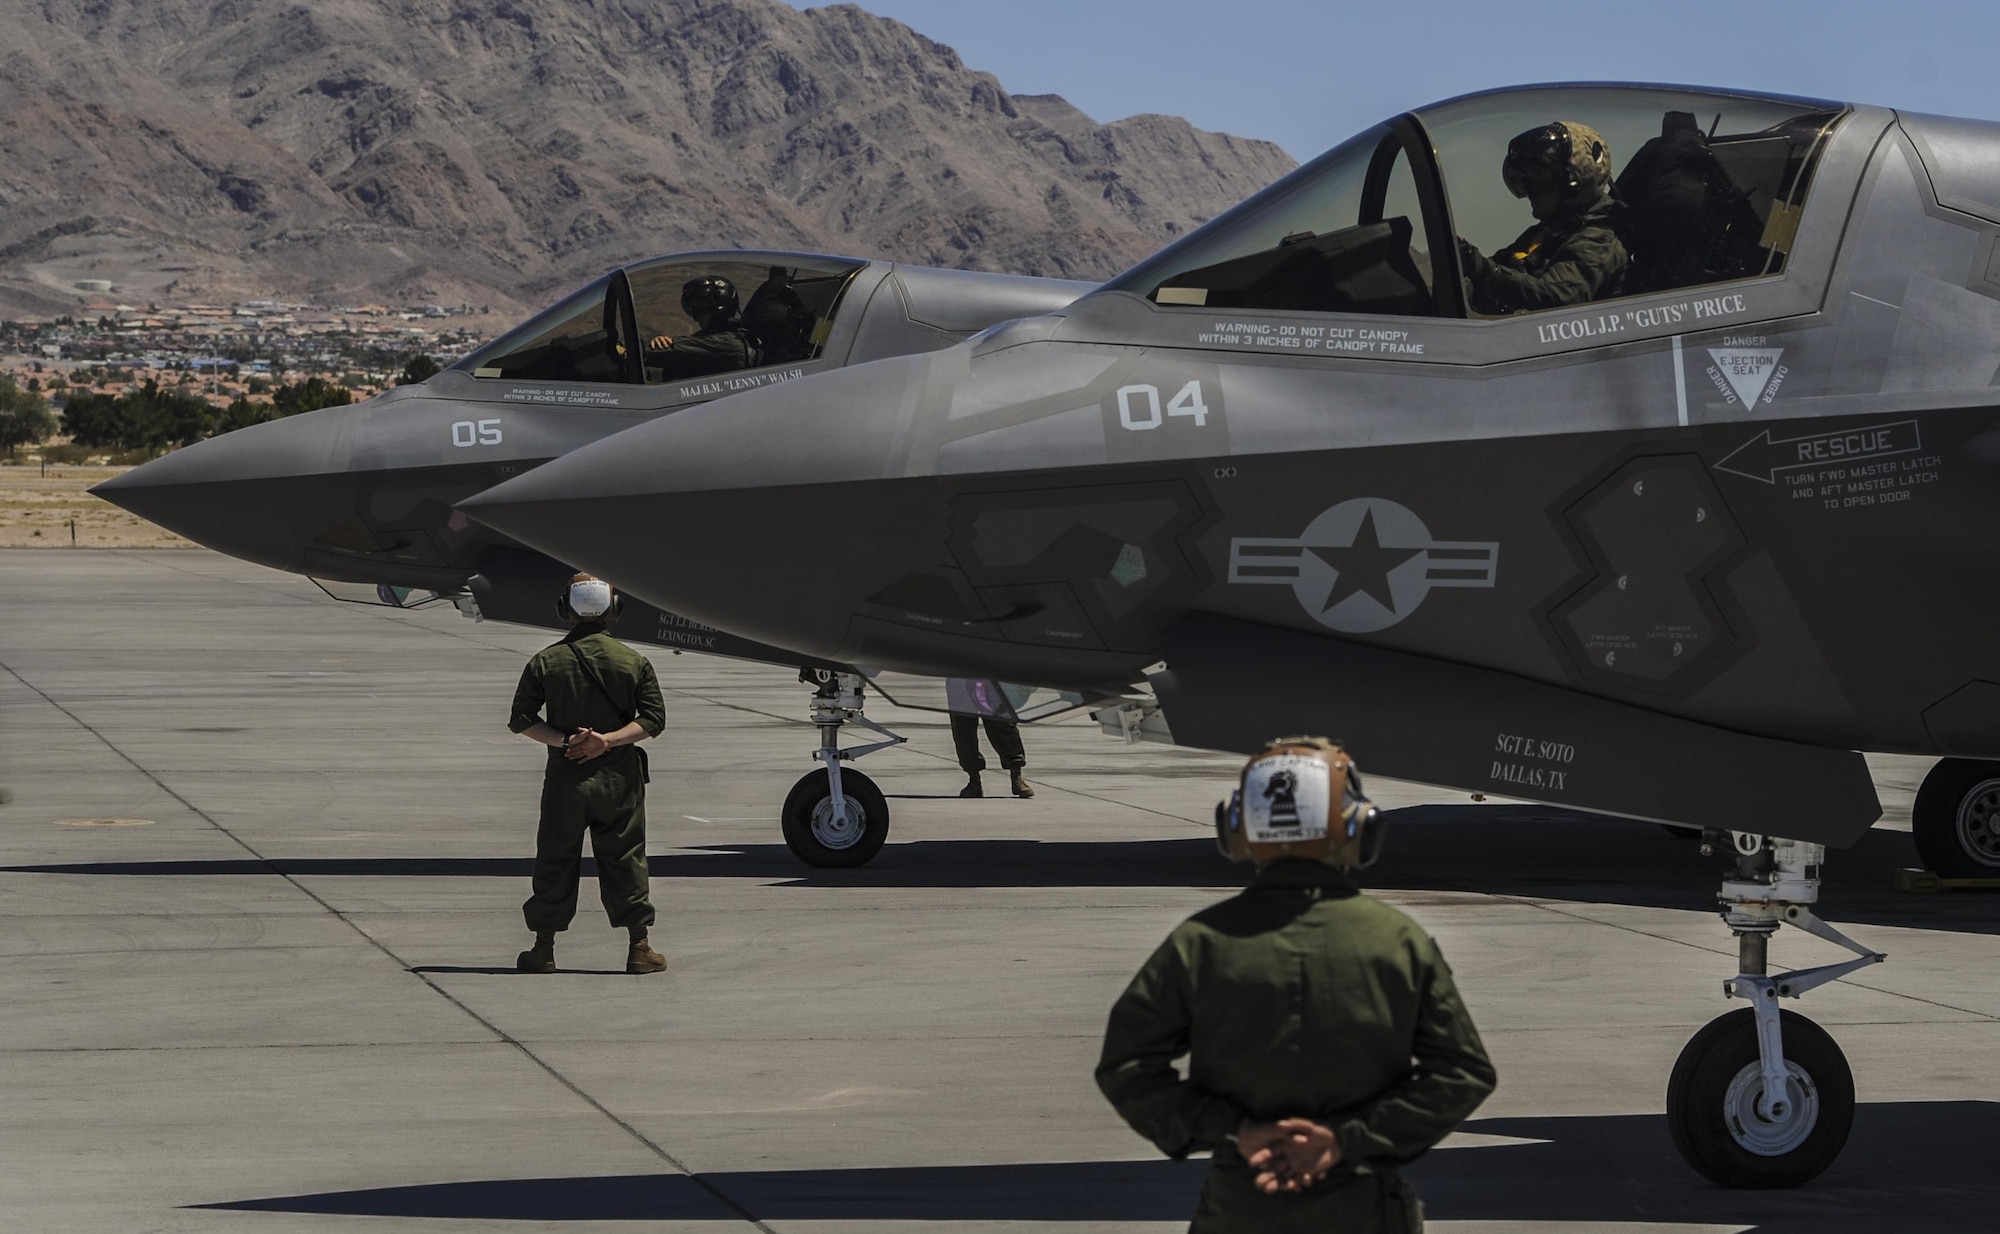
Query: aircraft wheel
[1956,822]
[1712,1104]
[814,832]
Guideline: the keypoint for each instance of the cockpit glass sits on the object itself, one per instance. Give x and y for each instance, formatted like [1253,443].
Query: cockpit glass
[577,340]
[751,313]
[1342,234]
[1660,189]
[1702,188]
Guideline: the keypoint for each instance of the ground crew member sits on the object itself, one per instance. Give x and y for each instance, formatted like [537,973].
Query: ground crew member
[1005,736]
[1326,1043]
[974,700]
[602,698]
[1571,255]
[720,342]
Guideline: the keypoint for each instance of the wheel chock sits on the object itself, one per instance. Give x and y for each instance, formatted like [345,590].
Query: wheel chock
[1912,881]
[1915,882]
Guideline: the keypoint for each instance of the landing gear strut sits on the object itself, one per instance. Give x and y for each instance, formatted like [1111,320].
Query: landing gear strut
[837,817]
[1762,1097]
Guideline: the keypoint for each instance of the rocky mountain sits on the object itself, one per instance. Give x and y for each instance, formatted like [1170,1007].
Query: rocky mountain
[493,151]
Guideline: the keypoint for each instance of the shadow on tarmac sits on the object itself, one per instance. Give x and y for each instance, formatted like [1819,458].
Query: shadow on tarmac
[508,970]
[1532,852]
[1909,1165]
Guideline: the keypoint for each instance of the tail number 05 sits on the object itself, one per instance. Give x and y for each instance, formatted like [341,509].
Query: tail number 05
[1139,406]
[475,433]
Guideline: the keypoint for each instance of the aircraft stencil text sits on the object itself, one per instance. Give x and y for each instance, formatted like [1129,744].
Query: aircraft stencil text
[1347,339]
[1605,325]
[1520,746]
[475,433]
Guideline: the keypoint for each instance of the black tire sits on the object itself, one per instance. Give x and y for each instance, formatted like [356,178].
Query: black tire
[1711,1104]
[815,841]
[1956,821]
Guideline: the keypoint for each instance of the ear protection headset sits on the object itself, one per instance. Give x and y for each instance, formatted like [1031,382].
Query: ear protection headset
[1301,797]
[589,599]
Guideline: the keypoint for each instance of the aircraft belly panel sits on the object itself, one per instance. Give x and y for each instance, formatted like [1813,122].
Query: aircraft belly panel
[518,586]
[1233,686]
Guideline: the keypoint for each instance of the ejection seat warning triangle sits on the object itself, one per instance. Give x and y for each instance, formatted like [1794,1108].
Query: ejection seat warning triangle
[1747,370]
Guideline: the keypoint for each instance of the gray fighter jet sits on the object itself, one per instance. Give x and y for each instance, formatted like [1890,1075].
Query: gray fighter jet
[1675,551]
[360,498]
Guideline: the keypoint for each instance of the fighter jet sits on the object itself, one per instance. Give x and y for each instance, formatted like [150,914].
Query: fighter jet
[1677,546]
[359,498]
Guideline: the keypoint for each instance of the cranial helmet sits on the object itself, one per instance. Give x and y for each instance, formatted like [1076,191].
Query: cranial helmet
[709,300]
[1300,798]
[588,598]
[1565,156]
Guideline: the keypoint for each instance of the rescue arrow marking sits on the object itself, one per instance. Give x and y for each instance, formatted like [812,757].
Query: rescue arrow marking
[1762,458]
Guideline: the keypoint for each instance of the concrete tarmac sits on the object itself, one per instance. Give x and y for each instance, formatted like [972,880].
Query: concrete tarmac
[259,903]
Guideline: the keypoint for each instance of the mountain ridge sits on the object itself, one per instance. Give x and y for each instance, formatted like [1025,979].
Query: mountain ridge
[498,150]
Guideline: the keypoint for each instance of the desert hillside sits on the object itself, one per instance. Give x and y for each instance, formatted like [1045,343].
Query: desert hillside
[469,151]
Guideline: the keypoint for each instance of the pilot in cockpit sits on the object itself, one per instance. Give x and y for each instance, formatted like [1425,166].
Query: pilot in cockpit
[1571,255]
[719,343]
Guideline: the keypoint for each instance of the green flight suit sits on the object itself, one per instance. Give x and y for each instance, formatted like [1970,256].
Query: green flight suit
[718,350]
[1573,258]
[1303,998]
[605,796]
[1004,734]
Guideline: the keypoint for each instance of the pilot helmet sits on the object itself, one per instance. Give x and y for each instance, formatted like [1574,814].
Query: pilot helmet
[1301,797]
[1563,156]
[710,300]
[588,598]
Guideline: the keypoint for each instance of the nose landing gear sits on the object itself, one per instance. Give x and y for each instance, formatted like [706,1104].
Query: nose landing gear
[837,818]
[1762,1097]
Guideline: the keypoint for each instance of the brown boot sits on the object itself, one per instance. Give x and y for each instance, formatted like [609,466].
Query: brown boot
[1021,786]
[540,958]
[643,959]
[972,787]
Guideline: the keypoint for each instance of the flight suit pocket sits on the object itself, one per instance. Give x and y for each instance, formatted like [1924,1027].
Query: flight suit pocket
[1405,1212]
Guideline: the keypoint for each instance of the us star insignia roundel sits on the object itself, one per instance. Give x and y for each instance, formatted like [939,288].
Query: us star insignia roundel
[1364,564]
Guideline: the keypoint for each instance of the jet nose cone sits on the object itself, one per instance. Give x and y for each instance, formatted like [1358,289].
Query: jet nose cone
[249,493]
[735,513]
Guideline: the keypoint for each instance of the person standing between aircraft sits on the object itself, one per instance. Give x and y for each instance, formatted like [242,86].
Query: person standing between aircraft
[601,698]
[1327,1045]
[1571,255]
[975,701]
[1005,736]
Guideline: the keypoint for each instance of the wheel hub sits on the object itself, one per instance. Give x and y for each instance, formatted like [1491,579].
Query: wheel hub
[1770,1137]
[1979,822]
[834,832]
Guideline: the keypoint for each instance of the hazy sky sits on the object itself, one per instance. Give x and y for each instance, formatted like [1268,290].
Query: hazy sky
[1307,75]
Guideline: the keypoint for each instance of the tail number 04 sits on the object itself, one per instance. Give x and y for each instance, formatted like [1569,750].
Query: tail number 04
[475,433]
[1139,406]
